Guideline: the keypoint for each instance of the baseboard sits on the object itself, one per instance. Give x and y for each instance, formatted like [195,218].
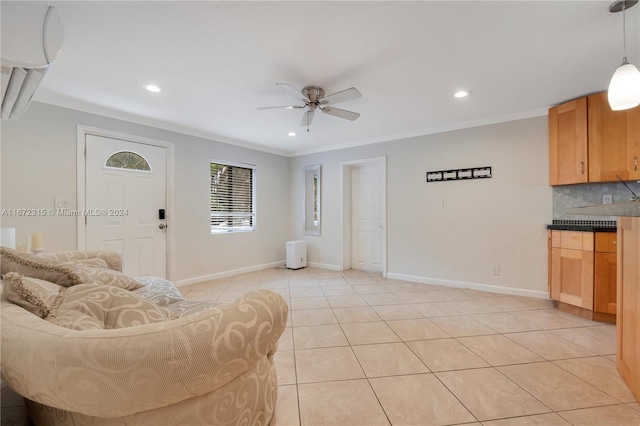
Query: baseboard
[210,277]
[473,286]
[324,266]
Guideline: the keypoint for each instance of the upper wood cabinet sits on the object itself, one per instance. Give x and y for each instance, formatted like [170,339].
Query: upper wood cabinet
[614,141]
[568,160]
[588,142]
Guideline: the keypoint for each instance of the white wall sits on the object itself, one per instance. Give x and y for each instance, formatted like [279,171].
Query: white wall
[38,164]
[497,221]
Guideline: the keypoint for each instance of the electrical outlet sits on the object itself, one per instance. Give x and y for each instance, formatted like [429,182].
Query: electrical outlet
[495,270]
[443,202]
[607,199]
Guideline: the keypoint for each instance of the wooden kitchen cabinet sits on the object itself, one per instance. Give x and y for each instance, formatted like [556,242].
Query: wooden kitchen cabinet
[628,317]
[589,142]
[582,273]
[614,141]
[605,273]
[568,160]
[572,262]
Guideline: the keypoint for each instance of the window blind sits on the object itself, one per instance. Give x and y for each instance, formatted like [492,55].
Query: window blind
[232,198]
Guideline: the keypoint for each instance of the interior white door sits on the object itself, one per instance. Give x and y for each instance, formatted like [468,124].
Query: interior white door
[124,193]
[367,209]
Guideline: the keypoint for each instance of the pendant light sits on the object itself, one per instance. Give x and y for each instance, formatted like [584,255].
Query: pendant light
[624,88]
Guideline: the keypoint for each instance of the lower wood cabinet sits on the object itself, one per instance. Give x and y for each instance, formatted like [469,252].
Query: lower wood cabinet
[628,324]
[582,272]
[605,273]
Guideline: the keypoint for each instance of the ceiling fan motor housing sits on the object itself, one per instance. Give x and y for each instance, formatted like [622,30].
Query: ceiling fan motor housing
[313,93]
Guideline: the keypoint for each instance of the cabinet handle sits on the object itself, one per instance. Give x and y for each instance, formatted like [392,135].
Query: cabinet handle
[614,243]
[582,167]
[635,164]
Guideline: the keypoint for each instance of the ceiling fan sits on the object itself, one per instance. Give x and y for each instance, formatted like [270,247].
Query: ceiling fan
[314,99]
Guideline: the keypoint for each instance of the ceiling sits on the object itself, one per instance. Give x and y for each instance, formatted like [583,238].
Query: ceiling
[218,61]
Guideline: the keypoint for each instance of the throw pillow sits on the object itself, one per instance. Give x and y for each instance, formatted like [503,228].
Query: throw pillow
[94,263]
[93,306]
[103,276]
[36,296]
[34,267]
[113,259]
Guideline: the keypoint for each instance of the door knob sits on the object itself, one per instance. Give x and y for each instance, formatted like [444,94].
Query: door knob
[162,226]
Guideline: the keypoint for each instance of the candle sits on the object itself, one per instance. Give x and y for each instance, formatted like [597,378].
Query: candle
[36,242]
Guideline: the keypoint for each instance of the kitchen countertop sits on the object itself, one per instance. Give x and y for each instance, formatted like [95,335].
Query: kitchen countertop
[582,228]
[629,208]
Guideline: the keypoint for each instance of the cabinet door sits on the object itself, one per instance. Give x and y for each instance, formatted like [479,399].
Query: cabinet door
[614,141]
[604,299]
[568,162]
[572,277]
[628,316]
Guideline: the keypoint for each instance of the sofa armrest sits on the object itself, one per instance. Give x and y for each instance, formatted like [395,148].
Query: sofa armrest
[114,259]
[113,373]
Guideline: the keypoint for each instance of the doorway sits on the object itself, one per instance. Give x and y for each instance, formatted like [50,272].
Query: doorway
[364,215]
[126,203]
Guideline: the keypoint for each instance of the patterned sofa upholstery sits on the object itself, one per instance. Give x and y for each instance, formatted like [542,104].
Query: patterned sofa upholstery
[201,365]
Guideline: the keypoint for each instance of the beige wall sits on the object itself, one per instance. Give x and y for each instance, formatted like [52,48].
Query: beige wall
[497,221]
[38,164]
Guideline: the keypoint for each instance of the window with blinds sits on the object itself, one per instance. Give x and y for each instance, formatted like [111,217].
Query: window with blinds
[232,198]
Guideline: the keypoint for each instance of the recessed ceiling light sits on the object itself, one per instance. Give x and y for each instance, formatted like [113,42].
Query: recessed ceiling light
[291,133]
[152,88]
[461,94]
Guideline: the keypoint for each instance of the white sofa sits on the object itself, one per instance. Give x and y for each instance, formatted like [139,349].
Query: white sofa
[103,355]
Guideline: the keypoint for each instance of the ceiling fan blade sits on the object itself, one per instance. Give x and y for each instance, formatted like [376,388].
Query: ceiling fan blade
[307,118]
[291,90]
[281,107]
[345,95]
[342,113]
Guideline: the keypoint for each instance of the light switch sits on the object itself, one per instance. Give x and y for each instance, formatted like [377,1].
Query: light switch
[61,203]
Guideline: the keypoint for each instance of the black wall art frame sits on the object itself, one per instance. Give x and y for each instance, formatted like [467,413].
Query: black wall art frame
[459,174]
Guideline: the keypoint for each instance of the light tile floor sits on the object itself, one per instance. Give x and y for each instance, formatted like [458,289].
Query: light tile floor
[363,350]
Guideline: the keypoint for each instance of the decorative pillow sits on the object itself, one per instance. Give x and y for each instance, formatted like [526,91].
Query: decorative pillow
[93,306]
[34,267]
[113,259]
[94,263]
[36,296]
[160,291]
[104,276]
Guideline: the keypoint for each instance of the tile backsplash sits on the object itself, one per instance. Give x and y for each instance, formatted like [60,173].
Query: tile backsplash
[567,196]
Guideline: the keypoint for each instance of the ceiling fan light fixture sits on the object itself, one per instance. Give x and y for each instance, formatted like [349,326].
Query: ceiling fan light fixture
[154,88]
[624,88]
[461,94]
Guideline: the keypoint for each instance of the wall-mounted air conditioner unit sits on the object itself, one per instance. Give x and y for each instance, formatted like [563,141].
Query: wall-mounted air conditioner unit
[32,35]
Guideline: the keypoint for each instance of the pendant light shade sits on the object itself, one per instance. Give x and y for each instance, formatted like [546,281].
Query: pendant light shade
[624,88]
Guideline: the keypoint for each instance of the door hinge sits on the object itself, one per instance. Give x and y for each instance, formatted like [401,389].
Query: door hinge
[85,221]
[85,151]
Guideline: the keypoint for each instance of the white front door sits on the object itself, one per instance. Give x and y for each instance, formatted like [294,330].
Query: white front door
[367,209]
[126,186]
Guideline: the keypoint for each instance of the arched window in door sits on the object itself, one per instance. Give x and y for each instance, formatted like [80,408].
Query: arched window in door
[128,160]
